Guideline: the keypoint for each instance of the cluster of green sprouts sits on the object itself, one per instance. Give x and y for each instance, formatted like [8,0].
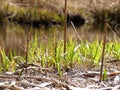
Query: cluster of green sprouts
[51,54]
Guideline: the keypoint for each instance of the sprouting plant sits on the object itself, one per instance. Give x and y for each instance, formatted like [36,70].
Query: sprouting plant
[59,54]
[8,63]
[95,51]
[70,52]
[116,50]
[41,55]
[12,60]
[5,62]
[33,52]
[104,75]
[59,69]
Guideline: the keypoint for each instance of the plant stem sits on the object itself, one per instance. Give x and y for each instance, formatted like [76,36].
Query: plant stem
[27,46]
[55,49]
[65,25]
[103,52]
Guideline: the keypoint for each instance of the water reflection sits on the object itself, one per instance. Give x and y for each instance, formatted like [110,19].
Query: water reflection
[89,32]
[13,36]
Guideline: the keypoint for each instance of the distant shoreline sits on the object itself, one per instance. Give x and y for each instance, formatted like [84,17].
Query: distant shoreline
[50,13]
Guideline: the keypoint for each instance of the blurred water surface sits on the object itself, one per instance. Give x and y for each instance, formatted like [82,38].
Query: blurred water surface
[14,36]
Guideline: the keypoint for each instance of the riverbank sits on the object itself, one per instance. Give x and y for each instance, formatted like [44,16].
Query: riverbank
[35,15]
[42,12]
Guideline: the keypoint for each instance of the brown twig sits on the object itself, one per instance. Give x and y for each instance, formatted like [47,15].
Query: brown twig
[65,25]
[27,47]
[55,49]
[103,52]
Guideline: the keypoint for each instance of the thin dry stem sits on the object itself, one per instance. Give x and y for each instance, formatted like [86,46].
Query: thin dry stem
[27,46]
[76,31]
[103,52]
[65,25]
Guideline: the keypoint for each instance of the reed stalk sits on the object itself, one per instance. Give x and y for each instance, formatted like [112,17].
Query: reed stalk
[27,50]
[103,50]
[65,25]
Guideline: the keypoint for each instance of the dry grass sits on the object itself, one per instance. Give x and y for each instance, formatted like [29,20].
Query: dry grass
[75,5]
